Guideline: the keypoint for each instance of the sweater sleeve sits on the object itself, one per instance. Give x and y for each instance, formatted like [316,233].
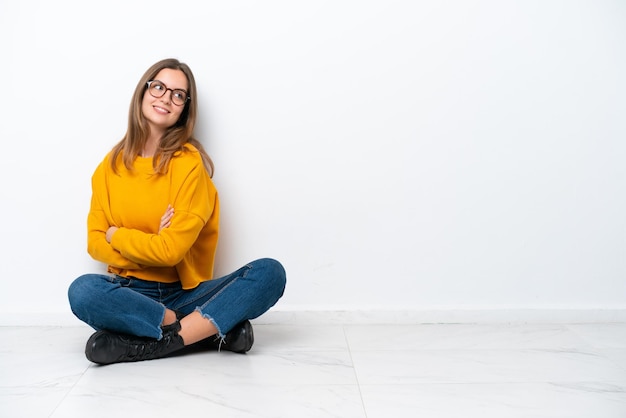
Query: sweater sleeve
[98,221]
[192,209]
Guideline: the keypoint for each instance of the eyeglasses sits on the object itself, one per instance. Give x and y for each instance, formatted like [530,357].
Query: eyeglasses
[157,89]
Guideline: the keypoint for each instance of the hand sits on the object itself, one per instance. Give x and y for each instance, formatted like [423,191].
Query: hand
[166,219]
[110,233]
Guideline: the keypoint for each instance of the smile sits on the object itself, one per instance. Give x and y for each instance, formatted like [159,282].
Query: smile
[161,110]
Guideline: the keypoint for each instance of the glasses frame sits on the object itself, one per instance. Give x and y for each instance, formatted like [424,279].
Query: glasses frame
[165,91]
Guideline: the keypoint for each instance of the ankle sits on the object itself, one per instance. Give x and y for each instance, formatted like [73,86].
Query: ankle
[169,318]
[195,327]
[170,328]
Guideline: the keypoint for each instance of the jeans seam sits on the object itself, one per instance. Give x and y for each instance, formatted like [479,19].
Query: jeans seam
[209,317]
[243,274]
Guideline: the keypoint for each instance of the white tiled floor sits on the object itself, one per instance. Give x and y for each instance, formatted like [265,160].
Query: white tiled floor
[375,371]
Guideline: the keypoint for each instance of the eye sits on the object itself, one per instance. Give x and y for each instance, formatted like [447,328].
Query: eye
[157,86]
[180,95]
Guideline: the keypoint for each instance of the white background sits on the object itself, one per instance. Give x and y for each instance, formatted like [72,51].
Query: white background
[394,155]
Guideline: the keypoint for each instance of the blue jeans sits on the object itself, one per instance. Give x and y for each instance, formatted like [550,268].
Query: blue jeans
[137,307]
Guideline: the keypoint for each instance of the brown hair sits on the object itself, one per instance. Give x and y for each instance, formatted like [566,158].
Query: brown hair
[175,137]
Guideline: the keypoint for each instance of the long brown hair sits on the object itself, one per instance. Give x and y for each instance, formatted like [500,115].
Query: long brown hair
[175,137]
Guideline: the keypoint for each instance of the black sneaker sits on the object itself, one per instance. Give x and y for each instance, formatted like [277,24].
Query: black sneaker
[105,347]
[238,340]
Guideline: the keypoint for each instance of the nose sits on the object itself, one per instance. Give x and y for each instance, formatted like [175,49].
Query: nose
[167,97]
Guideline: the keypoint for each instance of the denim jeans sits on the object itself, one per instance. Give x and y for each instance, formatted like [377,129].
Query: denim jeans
[137,307]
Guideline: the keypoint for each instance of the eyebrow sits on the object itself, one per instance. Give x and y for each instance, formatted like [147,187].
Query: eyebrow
[175,88]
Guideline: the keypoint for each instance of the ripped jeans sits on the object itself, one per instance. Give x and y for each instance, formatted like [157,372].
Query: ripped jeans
[137,307]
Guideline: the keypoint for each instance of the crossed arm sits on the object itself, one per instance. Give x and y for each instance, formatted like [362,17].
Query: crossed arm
[166,220]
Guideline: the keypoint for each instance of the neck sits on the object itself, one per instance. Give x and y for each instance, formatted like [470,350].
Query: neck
[150,147]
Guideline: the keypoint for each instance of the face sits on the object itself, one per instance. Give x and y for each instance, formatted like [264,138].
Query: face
[161,112]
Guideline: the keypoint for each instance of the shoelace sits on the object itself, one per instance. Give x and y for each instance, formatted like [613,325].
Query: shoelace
[149,349]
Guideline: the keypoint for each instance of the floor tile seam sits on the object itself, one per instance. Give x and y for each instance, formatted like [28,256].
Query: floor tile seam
[307,350]
[360,385]
[70,390]
[234,385]
[37,386]
[557,383]
[566,350]
[503,382]
[265,384]
[354,370]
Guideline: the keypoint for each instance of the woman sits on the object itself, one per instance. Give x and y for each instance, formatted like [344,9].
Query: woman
[154,221]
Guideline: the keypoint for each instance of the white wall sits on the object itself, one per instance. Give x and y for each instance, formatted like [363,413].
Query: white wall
[416,155]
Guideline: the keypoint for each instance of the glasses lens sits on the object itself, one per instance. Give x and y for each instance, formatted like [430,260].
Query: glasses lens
[156,89]
[179,97]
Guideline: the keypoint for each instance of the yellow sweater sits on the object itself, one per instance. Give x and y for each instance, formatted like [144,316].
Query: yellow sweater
[135,200]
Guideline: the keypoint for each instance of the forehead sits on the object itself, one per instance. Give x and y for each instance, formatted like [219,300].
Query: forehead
[174,79]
